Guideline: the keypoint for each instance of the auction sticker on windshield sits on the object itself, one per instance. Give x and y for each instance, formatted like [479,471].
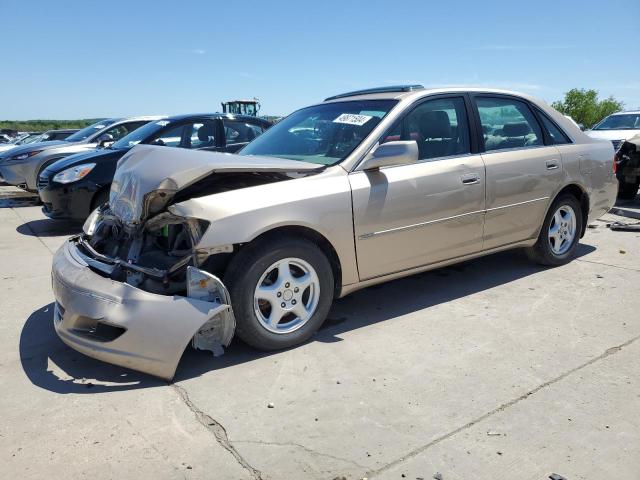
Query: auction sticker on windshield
[353,119]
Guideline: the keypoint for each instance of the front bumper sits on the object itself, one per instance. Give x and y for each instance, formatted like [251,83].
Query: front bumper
[12,173]
[70,201]
[120,324]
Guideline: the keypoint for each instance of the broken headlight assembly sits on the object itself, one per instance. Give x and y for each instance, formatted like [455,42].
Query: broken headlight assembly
[89,226]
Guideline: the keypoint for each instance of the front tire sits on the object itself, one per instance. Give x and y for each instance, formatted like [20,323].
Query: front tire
[560,233]
[281,291]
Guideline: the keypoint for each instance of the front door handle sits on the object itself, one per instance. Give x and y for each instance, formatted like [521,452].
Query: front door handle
[552,165]
[470,179]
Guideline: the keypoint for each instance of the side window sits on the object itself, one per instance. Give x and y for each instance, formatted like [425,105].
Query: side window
[240,132]
[124,129]
[558,137]
[202,134]
[169,138]
[440,128]
[507,123]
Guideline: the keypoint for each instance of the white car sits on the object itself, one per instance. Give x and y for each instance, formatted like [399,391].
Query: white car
[617,127]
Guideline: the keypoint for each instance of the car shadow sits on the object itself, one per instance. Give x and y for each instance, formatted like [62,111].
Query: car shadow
[53,366]
[49,228]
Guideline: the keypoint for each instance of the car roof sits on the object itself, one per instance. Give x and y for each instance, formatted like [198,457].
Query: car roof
[417,93]
[215,115]
[632,112]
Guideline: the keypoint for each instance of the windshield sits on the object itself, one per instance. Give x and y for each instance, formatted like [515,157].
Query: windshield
[140,134]
[323,134]
[627,121]
[88,131]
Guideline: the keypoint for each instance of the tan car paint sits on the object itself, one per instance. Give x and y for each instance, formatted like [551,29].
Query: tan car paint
[520,183]
[411,215]
[519,191]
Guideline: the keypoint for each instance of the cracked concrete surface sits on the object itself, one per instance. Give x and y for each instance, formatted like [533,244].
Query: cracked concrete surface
[406,379]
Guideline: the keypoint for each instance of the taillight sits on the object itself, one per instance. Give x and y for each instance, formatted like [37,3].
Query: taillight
[615,163]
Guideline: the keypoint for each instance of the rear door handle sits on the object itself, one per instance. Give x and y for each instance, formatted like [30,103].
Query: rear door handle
[552,165]
[470,179]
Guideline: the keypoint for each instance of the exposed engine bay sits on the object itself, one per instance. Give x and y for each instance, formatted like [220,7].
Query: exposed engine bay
[154,254]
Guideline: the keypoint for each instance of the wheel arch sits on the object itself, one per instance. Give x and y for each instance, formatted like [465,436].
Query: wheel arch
[299,231]
[581,196]
[98,192]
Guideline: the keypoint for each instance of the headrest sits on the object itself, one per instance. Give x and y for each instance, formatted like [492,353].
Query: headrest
[516,129]
[435,124]
[206,131]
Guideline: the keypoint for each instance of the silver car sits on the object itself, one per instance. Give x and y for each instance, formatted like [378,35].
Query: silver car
[21,165]
[363,188]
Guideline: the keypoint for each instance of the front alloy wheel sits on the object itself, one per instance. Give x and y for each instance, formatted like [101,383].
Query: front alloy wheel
[287,295]
[281,290]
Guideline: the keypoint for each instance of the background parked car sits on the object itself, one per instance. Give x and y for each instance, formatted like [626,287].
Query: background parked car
[628,167]
[74,186]
[617,127]
[34,137]
[21,165]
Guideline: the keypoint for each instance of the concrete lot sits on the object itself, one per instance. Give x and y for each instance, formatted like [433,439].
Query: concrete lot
[493,369]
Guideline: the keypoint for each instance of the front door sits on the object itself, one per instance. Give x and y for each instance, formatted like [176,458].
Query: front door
[407,216]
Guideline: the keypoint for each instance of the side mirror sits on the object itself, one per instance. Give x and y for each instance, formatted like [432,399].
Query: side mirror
[391,153]
[104,139]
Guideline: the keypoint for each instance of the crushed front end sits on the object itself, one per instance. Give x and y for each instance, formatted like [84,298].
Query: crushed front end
[136,287]
[134,295]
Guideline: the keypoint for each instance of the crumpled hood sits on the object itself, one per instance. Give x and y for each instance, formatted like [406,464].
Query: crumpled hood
[164,171]
[18,149]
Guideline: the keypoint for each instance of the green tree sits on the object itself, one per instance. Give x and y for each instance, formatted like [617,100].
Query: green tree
[585,107]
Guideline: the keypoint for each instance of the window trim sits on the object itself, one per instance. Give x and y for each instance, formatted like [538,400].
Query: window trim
[504,96]
[541,116]
[473,147]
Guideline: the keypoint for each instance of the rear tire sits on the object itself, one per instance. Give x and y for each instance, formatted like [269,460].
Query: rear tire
[560,233]
[626,190]
[269,315]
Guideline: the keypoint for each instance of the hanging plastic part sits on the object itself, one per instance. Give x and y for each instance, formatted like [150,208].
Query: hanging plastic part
[217,332]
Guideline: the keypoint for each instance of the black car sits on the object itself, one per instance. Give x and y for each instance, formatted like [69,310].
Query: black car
[74,186]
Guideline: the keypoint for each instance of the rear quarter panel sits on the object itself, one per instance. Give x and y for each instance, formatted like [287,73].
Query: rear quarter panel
[590,165]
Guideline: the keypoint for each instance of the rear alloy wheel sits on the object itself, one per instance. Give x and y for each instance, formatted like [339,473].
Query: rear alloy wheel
[560,233]
[281,291]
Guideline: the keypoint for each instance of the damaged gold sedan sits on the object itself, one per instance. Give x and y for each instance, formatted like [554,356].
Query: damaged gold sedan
[196,247]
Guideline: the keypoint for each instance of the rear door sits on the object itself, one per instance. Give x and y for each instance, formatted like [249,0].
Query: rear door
[522,173]
[407,216]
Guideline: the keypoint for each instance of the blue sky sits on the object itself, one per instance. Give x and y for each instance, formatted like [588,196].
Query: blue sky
[74,59]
